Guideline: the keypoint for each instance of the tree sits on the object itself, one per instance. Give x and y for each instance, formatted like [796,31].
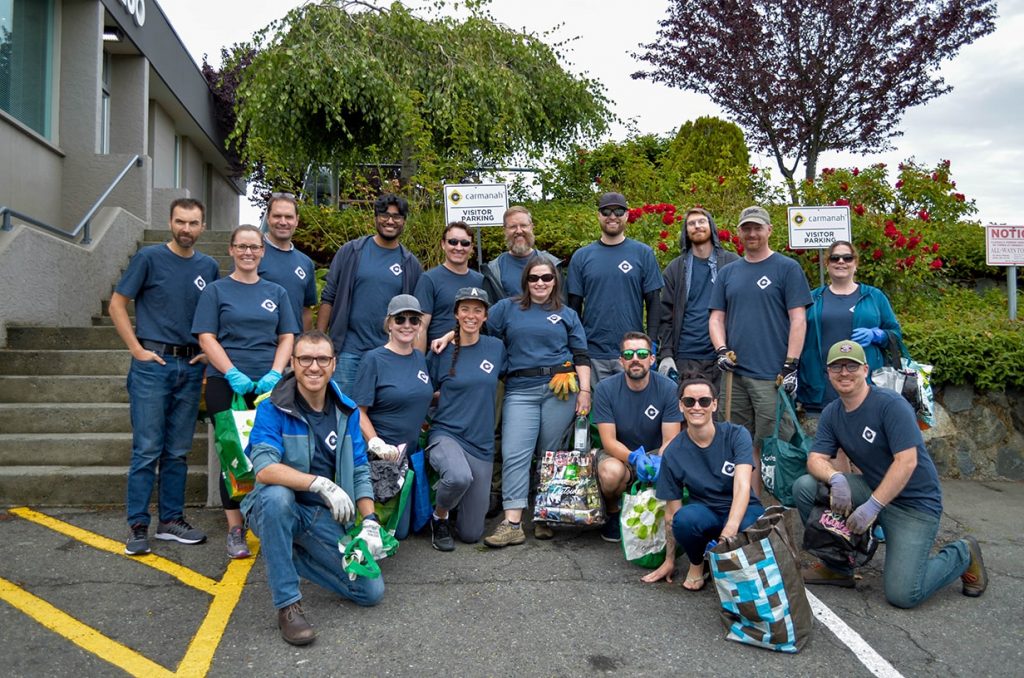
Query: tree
[709,145]
[345,82]
[806,76]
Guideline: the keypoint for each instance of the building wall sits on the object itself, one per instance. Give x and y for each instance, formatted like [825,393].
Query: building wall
[29,169]
[161,146]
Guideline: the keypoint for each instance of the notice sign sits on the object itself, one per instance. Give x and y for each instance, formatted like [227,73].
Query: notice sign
[817,227]
[1004,245]
[475,204]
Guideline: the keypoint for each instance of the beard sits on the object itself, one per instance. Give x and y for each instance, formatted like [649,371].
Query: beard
[520,246]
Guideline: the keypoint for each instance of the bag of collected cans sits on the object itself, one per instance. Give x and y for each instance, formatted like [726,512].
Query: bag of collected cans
[568,492]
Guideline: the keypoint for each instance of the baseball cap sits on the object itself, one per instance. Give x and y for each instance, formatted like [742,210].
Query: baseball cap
[758,215]
[846,350]
[404,302]
[612,200]
[474,293]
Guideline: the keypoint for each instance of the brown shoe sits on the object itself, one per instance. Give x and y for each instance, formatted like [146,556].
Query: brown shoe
[818,573]
[505,535]
[975,579]
[542,531]
[294,627]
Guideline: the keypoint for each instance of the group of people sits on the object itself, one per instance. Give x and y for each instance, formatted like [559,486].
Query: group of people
[512,354]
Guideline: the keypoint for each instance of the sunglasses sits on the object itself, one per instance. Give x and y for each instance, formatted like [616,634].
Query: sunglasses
[836,258]
[413,320]
[641,353]
[321,360]
[703,401]
[455,242]
[839,368]
[543,277]
[282,196]
[608,211]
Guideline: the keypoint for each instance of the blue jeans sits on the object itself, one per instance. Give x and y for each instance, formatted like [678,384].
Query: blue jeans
[694,525]
[533,420]
[346,370]
[296,539]
[911,574]
[164,402]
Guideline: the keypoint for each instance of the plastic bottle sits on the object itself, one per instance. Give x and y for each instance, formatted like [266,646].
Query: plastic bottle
[581,437]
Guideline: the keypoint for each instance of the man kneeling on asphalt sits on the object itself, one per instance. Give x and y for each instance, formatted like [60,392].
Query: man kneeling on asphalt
[310,462]
[899,487]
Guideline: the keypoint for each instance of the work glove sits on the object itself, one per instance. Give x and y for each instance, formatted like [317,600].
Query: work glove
[268,381]
[726,359]
[861,519]
[865,336]
[240,383]
[842,501]
[787,377]
[642,464]
[563,384]
[342,508]
[667,366]
[370,533]
[384,451]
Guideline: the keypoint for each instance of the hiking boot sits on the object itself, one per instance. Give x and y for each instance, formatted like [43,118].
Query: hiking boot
[237,547]
[294,628]
[611,531]
[441,534]
[819,573]
[506,535]
[542,531]
[975,579]
[138,542]
[180,531]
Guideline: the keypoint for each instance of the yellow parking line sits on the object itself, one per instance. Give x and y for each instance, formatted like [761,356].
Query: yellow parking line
[80,634]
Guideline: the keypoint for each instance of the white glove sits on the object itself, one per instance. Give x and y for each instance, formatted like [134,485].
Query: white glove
[370,533]
[667,365]
[341,505]
[384,451]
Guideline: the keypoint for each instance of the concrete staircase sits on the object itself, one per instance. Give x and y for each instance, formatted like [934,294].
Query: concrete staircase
[65,429]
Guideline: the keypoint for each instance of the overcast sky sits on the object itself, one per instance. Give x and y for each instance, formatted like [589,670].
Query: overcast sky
[977,126]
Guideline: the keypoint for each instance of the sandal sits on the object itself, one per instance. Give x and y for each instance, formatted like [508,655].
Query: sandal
[701,579]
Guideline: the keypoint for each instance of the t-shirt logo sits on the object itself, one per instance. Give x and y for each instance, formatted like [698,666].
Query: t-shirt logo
[652,412]
[268,305]
[728,469]
[300,273]
[868,435]
[625,266]
[396,269]
[553,319]
[487,366]
[422,376]
[764,282]
[851,309]
[200,283]
[332,440]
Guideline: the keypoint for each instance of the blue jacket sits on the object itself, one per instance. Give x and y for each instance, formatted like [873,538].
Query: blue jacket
[871,310]
[280,434]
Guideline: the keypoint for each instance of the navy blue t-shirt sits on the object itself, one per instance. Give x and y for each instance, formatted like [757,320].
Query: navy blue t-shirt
[637,415]
[378,279]
[293,271]
[166,289]
[613,279]
[756,299]
[707,473]
[436,293]
[535,338]
[511,269]
[694,340]
[322,425]
[396,392]
[871,434]
[836,325]
[246,319]
[465,408]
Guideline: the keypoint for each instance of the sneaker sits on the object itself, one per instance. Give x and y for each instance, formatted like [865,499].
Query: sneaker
[542,531]
[818,573]
[975,579]
[237,546]
[138,542]
[611,531]
[506,535]
[294,628]
[180,531]
[441,535]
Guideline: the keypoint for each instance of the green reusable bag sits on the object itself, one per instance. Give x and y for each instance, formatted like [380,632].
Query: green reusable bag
[783,461]
[231,436]
[642,519]
[391,511]
[355,553]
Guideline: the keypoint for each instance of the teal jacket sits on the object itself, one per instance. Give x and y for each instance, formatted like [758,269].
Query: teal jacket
[871,310]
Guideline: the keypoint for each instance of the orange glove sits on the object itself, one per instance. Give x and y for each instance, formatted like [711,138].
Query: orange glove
[563,384]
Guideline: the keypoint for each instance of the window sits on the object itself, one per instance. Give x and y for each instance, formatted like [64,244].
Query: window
[26,59]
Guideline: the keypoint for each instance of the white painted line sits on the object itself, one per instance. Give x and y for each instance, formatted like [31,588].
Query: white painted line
[874,662]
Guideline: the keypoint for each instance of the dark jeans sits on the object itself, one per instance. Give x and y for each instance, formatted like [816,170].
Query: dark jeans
[694,525]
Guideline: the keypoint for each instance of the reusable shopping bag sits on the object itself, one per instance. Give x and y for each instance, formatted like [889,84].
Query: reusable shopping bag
[568,491]
[231,437]
[783,461]
[390,512]
[421,506]
[910,379]
[827,536]
[642,520]
[357,561]
[757,576]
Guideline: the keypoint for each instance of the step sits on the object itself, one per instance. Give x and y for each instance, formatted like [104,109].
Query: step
[65,417]
[21,337]
[80,485]
[63,389]
[35,362]
[79,449]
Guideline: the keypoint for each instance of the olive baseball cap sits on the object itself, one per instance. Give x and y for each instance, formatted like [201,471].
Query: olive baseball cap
[755,214]
[846,350]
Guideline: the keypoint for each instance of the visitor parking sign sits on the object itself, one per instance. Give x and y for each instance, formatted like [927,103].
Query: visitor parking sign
[475,204]
[817,227]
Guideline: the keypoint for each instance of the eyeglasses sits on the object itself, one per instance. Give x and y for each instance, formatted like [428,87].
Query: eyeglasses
[247,248]
[703,401]
[839,368]
[455,242]
[608,211]
[388,216]
[641,353]
[543,277]
[413,320]
[836,258]
[698,221]
[282,196]
[307,360]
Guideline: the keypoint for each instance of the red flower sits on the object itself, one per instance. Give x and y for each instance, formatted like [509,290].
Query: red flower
[914,242]
[721,180]
[959,197]
[855,171]
[859,209]
[911,260]
[736,240]
[739,250]
[648,208]
[753,169]
[663,235]
[936,263]
[936,177]
[634,214]
[597,180]
[935,248]
[663,247]
[890,229]
[844,187]
[724,235]
[842,202]
[877,254]
[693,188]
[667,219]
[923,215]
[679,217]
[901,240]
[899,183]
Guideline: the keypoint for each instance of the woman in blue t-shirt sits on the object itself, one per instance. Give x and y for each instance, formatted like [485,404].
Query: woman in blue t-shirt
[393,390]
[714,462]
[246,327]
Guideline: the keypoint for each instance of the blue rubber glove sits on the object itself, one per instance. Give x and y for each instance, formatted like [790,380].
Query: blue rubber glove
[842,503]
[268,381]
[655,460]
[641,461]
[240,383]
[861,519]
[865,336]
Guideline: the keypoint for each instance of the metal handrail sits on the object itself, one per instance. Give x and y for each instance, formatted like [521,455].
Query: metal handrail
[83,226]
